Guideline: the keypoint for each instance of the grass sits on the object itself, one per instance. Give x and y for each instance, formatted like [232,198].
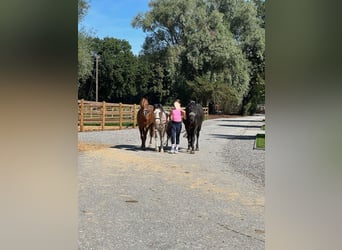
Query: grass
[260,141]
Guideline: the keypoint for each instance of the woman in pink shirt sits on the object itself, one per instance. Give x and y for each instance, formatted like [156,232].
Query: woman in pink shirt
[176,116]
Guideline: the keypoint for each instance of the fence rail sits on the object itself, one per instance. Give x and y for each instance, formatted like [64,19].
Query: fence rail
[109,116]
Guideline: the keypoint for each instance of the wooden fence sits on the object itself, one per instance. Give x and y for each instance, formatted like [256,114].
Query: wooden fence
[109,116]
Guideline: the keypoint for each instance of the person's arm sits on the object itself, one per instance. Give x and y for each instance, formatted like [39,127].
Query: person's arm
[183,114]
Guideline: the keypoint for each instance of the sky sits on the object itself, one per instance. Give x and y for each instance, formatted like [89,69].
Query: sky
[112,18]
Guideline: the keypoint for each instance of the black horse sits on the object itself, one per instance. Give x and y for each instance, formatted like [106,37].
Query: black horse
[193,123]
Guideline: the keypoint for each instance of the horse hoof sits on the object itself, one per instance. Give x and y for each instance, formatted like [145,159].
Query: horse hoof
[192,152]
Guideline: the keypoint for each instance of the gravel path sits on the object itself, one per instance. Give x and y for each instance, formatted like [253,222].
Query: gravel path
[134,199]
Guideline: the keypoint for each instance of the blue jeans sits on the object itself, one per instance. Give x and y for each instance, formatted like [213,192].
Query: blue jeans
[175,132]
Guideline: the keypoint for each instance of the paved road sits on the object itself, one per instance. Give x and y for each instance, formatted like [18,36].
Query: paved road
[133,199]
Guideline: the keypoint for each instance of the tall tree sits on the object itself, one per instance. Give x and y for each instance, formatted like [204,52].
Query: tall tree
[117,67]
[85,59]
[245,20]
[261,11]
[196,44]
[83,7]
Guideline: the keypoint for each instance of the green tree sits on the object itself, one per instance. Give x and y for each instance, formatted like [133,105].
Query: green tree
[196,44]
[117,71]
[83,7]
[246,20]
[261,11]
[84,47]
[85,60]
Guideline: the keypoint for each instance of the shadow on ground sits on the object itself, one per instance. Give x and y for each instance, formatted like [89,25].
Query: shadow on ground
[127,147]
[234,137]
[239,126]
[240,120]
[132,147]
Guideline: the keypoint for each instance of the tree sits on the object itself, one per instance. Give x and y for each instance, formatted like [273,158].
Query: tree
[83,7]
[196,43]
[117,71]
[85,60]
[84,47]
[246,20]
[261,11]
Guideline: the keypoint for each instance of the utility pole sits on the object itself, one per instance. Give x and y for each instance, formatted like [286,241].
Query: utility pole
[96,75]
[97,78]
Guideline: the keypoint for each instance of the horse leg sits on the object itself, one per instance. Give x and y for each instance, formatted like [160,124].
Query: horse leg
[197,135]
[189,141]
[161,135]
[192,151]
[142,138]
[156,139]
[151,136]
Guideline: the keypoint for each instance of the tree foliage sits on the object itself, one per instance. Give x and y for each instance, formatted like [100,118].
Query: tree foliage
[212,51]
[83,7]
[117,68]
[85,59]
[84,46]
[205,44]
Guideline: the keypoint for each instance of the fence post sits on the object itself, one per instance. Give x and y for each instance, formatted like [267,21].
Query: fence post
[103,115]
[134,115]
[82,115]
[120,113]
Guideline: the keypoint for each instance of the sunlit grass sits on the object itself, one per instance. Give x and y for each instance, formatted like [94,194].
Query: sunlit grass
[260,141]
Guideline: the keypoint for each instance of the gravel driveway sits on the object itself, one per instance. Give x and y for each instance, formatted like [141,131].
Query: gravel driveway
[134,199]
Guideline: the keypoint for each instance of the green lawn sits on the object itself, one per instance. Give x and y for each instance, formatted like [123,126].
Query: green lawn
[260,141]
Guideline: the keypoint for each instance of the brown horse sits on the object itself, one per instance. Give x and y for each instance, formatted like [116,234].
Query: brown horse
[145,119]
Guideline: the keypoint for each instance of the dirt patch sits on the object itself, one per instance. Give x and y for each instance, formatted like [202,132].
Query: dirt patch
[129,163]
[83,146]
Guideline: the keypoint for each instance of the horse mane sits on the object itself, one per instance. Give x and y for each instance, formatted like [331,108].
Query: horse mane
[160,107]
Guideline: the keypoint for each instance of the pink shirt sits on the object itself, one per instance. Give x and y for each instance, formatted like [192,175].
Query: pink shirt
[176,115]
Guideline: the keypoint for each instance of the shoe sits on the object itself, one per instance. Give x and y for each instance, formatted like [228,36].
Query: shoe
[172,151]
[176,150]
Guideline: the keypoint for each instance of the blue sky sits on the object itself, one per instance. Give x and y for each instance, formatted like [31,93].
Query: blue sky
[112,18]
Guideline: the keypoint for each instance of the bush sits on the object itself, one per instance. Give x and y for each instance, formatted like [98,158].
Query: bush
[231,106]
[249,109]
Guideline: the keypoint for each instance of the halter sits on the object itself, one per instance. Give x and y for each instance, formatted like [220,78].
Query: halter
[160,115]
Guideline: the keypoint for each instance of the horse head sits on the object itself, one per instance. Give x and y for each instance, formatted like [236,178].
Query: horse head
[160,115]
[144,103]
